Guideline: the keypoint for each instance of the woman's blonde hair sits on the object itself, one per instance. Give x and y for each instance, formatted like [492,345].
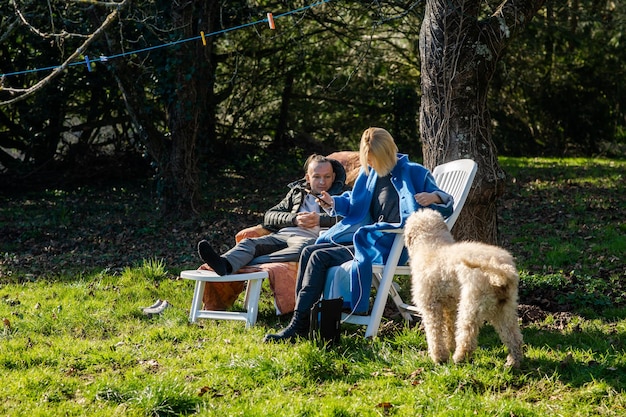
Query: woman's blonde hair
[378,146]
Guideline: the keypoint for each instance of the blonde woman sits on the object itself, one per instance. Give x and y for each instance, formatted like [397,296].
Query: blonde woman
[388,189]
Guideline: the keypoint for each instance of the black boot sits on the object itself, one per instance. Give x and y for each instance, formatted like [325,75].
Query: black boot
[298,327]
[215,261]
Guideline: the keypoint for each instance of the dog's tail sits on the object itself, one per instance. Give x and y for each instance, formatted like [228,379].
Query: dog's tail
[501,274]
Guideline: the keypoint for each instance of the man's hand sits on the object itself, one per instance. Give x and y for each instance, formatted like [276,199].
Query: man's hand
[426,199]
[307,219]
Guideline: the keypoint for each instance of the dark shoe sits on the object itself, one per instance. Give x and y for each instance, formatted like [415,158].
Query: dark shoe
[215,261]
[298,327]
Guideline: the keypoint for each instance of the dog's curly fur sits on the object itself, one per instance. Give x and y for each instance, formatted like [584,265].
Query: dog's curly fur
[457,286]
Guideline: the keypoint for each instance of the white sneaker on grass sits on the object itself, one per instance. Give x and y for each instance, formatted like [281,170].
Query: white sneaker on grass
[158,309]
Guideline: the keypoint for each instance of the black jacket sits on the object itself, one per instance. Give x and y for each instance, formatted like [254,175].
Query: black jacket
[284,213]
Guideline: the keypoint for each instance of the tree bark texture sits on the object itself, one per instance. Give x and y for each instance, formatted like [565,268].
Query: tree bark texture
[459,54]
[190,113]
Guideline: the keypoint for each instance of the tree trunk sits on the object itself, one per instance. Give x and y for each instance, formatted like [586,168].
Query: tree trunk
[281,141]
[459,54]
[190,113]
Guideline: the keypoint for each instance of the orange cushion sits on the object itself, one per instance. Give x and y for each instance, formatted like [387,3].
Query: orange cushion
[282,277]
[250,232]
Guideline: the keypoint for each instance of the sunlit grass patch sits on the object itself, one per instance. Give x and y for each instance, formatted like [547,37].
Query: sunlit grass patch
[151,397]
[150,269]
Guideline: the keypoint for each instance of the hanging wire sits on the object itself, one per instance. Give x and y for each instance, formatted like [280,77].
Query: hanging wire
[103,58]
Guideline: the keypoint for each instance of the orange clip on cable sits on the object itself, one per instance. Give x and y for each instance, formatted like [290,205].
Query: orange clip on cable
[203,38]
[270,19]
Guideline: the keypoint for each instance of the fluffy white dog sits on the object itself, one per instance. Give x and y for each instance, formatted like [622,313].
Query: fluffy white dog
[457,286]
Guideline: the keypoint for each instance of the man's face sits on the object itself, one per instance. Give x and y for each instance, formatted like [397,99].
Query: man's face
[320,176]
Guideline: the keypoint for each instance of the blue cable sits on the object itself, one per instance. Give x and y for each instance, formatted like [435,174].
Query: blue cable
[87,61]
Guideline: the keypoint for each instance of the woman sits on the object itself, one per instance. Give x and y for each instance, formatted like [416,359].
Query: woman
[382,198]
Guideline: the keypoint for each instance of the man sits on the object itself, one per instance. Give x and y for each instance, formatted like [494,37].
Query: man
[295,222]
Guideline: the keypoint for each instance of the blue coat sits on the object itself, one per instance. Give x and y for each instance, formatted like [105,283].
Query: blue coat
[370,245]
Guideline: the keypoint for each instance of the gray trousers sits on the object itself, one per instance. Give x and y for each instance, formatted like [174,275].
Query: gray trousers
[275,247]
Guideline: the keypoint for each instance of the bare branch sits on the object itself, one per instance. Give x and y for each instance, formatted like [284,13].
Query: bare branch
[24,93]
[512,16]
[37,32]
[100,3]
[9,30]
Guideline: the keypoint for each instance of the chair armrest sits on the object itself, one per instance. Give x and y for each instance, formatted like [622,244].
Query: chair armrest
[392,230]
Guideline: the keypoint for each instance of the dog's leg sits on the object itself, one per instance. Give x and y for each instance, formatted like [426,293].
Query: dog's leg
[449,328]
[507,325]
[432,319]
[467,326]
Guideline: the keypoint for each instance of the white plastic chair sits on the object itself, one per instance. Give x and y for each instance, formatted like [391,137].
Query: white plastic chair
[456,179]
[251,300]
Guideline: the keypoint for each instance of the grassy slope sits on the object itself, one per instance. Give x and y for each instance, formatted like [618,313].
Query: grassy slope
[564,221]
[74,341]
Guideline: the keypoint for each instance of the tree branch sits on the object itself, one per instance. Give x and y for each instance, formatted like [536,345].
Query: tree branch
[512,16]
[41,34]
[25,93]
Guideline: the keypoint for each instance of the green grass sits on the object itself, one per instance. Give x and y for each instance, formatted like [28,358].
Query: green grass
[84,348]
[564,221]
[74,340]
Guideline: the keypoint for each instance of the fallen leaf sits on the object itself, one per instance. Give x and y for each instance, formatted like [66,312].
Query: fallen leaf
[386,406]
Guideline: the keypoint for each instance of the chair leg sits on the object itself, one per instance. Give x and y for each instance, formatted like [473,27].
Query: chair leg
[196,303]
[251,301]
[379,307]
[399,302]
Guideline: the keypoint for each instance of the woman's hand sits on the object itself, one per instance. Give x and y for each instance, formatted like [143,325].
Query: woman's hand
[324,200]
[426,199]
